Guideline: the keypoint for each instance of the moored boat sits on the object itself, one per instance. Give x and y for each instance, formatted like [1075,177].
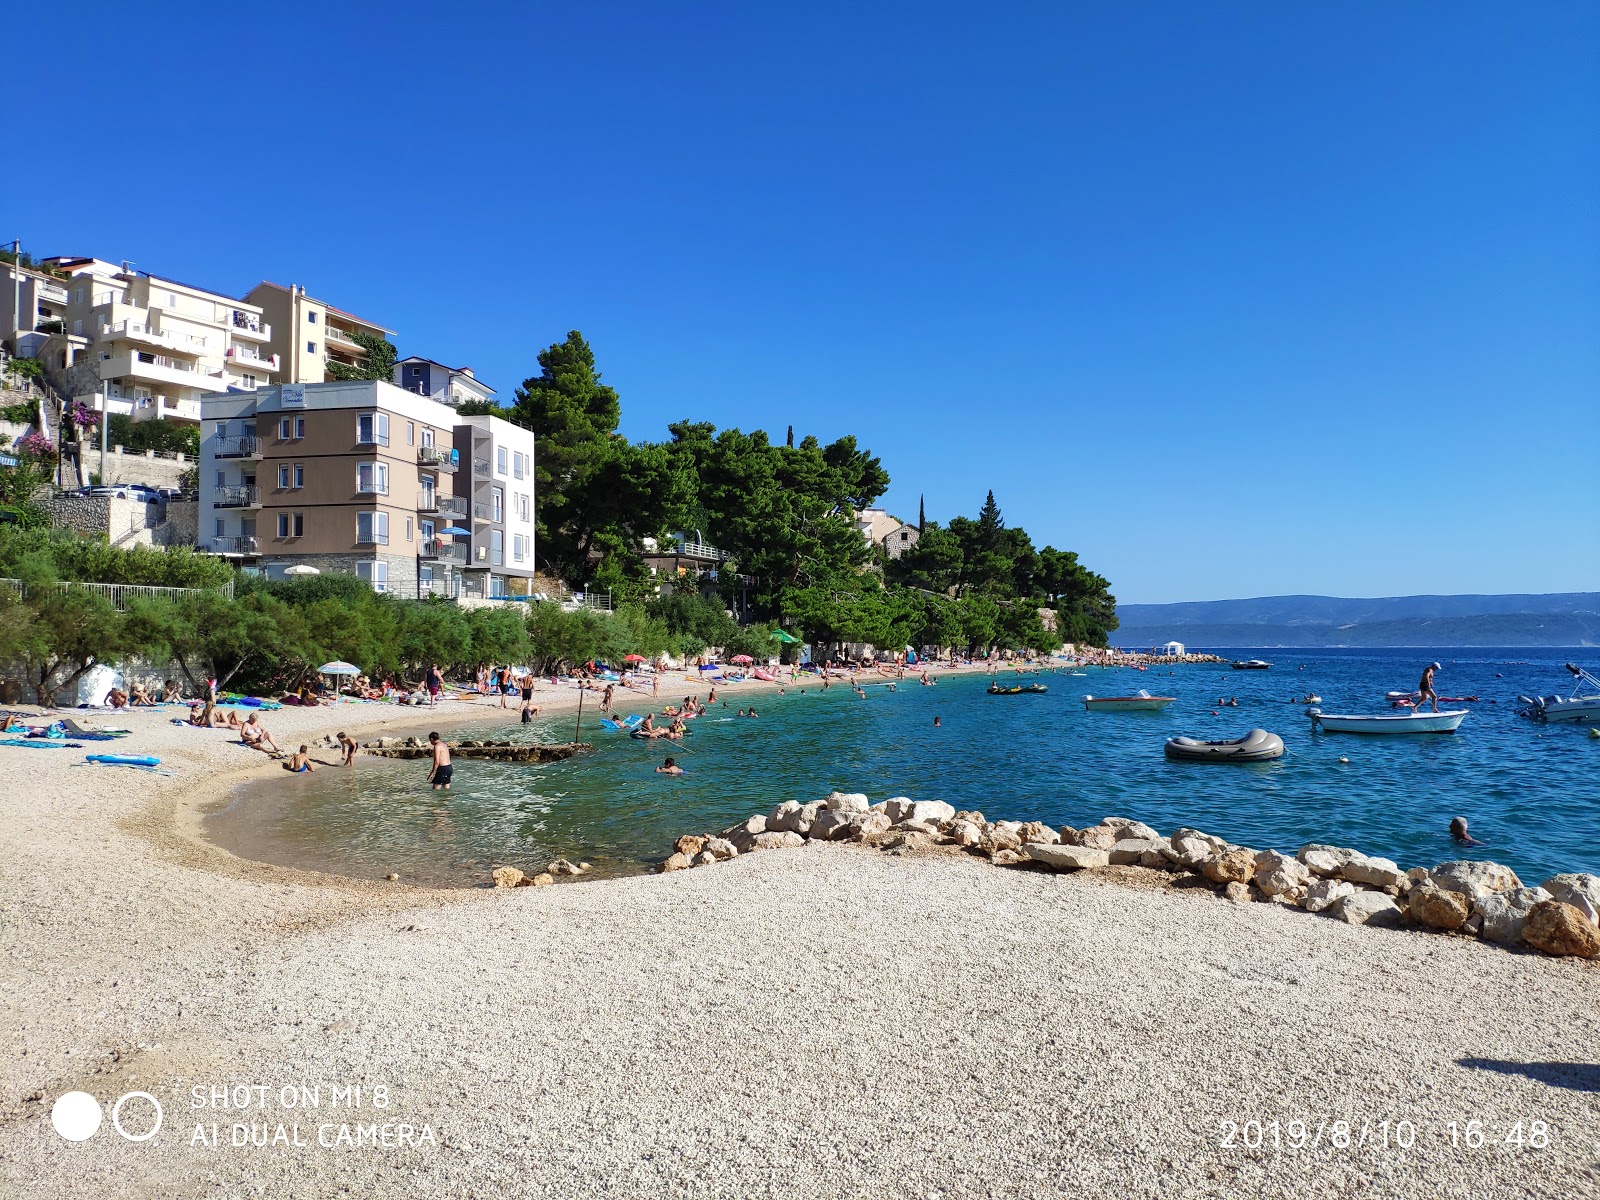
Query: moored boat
[1252,664]
[1142,701]
[1412,722]
[1576,707]
[1256,746]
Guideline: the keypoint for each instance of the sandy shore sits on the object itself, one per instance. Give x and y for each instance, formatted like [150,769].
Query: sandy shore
[829,1021]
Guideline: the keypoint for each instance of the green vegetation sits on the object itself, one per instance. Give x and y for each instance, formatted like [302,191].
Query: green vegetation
[165,437]
[379,363]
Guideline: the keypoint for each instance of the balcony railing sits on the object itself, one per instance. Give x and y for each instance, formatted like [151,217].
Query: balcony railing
[480,468]
[245,496]
[249,360]
[331,334]
[440,549]
[234,545]
[249,323]
[480,512]
[372,538]
[441,457]
[239,447]
[454,506]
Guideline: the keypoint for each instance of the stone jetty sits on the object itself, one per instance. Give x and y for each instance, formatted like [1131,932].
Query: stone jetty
[527,752]
[1465,897]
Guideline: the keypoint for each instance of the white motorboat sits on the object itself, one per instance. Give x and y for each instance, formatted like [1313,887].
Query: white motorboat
[1142,701]
[1411,722]
[1252,664]
[1576,707]
[1256,746]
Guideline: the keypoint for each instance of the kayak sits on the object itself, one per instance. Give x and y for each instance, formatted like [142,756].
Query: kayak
[1256,746]
[124,760]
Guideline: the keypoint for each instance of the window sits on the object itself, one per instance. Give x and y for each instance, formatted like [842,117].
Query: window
[222,479]
[291,429]
[416,372]
[497,547]
[427,530]
[375,573]
[311,318]
[222,526]
[411,433]
[172,299]
[77,295]
[299,428]
[500,460]
[519,547]
[298,527]
[372,478]
[222,429]
[373,429]
[408,529]
[299,475]
[311,347]
[499,506]
[524,507]
[77,328]
[248,381]
[427,437]
[519,465]
[372,528]
[283,477]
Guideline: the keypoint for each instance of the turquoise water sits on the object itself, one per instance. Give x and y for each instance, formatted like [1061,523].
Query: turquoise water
[1529,790]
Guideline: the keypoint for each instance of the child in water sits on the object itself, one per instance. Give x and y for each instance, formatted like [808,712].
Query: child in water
[670,767]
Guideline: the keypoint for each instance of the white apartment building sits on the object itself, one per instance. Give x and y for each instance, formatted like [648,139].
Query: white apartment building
[448,385]
[308,334]
[153,348]
[496,478]
[31,298]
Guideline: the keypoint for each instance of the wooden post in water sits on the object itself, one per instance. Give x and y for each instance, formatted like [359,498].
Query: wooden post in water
[579,728]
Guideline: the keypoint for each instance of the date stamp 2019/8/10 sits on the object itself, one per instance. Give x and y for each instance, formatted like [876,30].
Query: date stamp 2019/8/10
[1299,1134]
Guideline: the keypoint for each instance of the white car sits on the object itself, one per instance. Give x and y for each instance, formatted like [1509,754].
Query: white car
[128,491]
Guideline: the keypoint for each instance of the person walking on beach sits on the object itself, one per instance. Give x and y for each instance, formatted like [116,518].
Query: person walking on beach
[505,684]
[435,681]
[440,775]
[347,747]
[1425,688]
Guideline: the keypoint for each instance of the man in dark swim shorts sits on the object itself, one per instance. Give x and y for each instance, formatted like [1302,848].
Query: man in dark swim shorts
[1425,688]
[442,768]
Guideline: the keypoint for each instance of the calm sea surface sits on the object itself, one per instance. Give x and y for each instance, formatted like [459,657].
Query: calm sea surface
[1528,790]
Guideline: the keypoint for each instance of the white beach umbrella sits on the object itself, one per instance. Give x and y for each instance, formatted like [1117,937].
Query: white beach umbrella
[338,668]
[301,569]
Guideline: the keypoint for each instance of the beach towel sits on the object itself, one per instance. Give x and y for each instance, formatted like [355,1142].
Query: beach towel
[39,744]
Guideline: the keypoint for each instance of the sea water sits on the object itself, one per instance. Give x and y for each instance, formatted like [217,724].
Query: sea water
[1529,790]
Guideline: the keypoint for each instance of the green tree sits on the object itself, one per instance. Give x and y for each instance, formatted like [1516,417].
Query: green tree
[378,364]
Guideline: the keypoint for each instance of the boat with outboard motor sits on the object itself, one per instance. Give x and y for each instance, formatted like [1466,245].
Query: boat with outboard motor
[1142,701]
[1576,707]
[1256,746]
[1252,664]
[1412,722]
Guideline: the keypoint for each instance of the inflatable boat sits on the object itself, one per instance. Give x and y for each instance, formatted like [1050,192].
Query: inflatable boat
[1256,746]
[1032,689]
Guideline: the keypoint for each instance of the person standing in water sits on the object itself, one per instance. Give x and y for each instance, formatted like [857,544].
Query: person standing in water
[1425,688]
[440,775]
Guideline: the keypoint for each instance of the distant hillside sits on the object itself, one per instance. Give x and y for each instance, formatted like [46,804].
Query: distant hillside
[1558,619]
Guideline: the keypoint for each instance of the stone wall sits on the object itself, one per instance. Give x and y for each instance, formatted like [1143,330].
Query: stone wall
[126,523]
[133,466]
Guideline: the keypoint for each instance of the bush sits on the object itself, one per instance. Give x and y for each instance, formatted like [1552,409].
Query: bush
[164,437]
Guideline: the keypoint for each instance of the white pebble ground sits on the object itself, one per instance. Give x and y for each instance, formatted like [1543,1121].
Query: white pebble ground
[826,1022]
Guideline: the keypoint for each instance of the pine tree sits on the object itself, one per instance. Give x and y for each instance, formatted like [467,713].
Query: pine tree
[790,442]
[922,516]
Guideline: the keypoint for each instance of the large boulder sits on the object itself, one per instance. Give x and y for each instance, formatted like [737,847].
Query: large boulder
[1237,865]
[1066,858]
[1038,831]
[931,810]
[1368,908]
[1096,837]
[706,859]
[997,838]
[1474,879]
[1374,872]
[846,802]
[867,824]
[1502,915]
[1190,851]
[1124,829]
[786,840]
[744,834]
[690,844]
[1558,928]
[830,826]
[506,877]
[1436,907]
[791,817]
[1279,875]
[1325,893]
[676,862]
[1582,891]
[1326,860]
[1130,851]
[965,833]
[1238,892]
[898,808]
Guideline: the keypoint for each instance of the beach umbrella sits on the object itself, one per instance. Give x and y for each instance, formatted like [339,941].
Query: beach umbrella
[784,637]
[741,658]
[338,668]
[633,658]
[456,531]
[301,569]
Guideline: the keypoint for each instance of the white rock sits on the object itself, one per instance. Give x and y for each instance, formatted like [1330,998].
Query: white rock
[1368,908]
[1129,851]
[1067,858]
[930,810]
[1326,860]
[787,840]
[1503,914]
[1217,844]
[1581,890]
[785,816]
[1474,879]
[965,833]
[1013,826]
[1126,829]
[867,824]
[1375,872]
[1278,874]
[705,858]
[899,808]
[927,827]
[721,848]
[1325,893]
[831,825]
[846,802]
[1190,851]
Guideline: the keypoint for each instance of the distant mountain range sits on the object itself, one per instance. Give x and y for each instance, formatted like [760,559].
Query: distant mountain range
[1556,619]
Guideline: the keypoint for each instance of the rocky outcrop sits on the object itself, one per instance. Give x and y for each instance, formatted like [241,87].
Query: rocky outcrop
[1580,891]
[1502,915]
[1562,929]
[1474,879]
[1436,907]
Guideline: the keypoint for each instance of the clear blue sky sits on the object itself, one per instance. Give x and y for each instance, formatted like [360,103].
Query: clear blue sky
[1233,299]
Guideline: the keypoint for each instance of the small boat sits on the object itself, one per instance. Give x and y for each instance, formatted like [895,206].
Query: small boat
[1576,707]
[1411,722]
[1251,664]
[1256,746]
[1032,689]
[1143,701]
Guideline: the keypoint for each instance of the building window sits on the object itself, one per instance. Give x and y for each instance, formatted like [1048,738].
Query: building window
[291,429]
[416,372]
[291,525]
[372,528]
[172,299]
[299,475]
[408,529]
[411,433]
[222,526]
[375,573]
[311,318]
[248,381]
[500,460]
[524,508]
[519,465]
[222,429]
[372,478]
[222,479]
[519,547]
[372,429]
[497,547]
[499,506]
[283,478]
[427,437]
[299,428]
[311,347]
[77,295]
[427,530]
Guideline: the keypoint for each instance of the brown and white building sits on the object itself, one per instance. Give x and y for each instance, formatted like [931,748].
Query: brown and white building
[308,334]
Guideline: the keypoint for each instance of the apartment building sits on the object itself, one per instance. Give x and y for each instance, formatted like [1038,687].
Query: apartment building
[497,479]
[34,300]
[153,348]
[308,334]
[353,477]
[447,385]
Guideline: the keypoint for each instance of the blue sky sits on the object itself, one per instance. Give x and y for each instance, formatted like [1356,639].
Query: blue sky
[1234,299]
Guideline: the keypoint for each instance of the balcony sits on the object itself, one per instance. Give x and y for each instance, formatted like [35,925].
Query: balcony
[234,545]
[482,512]
[428,501]
[245,359]
[452,506]
[136,331]
[342,336]
[159,368]
[238,447]
[243,496]
[438,548]
[442,458]
[248,325]
[480,468]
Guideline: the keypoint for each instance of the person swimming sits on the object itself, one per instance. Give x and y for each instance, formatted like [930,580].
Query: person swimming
[670,767]
[1458,831]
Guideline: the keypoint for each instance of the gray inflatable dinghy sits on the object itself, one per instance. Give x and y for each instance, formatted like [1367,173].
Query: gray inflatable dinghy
[1256,746]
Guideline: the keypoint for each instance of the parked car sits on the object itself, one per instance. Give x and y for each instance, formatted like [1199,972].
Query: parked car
[171,493]
[128,491]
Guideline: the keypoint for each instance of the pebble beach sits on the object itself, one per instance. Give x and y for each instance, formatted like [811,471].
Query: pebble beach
[818,1022]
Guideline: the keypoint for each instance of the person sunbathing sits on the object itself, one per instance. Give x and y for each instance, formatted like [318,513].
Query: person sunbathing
[254,734]
[141,697]
[117,698]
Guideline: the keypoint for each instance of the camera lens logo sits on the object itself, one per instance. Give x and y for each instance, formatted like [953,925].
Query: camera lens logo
[77,1116]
